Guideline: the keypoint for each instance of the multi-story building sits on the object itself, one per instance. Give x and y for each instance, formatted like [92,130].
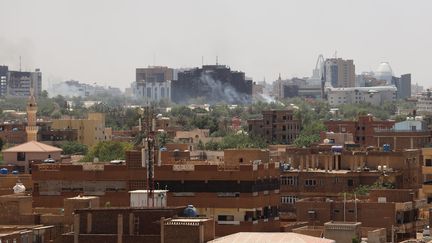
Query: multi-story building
[339,73]
[395,210]
[403,85]
[154,74]
[427,174]
[240,196]
[90,131]
[276,126]
[424,103]
[3,80]
[410,134]
[320,172]
[376,95]
[152,91]
[363,130]
[20,83]
[214,83]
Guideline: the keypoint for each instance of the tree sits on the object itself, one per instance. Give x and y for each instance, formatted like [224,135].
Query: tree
[71,147]
[108,150]
[163,139]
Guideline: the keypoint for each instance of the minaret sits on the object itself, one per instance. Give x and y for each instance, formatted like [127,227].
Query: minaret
[31,128]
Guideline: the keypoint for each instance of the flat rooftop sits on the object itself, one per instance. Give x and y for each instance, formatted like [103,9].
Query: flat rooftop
[276,237]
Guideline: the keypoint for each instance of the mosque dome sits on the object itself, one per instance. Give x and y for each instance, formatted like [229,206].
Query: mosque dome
[384,72]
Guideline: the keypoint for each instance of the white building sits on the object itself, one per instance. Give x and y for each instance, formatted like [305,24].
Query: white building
[384,72]
[424,103]
[355,95]
[152,91]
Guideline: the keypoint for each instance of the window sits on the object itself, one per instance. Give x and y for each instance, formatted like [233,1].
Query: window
[288,199]
[350,182]
[225,217]
[310,182]
[289,180]
[336,211]
[284,118]
[21,156]
[283,128]
[428,162]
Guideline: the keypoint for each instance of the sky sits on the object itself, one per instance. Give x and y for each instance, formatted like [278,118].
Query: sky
[104,41]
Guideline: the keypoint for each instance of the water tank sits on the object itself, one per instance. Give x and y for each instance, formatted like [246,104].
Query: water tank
[4,171]
[19,188]
[15,172]
[386,148]
[190,211]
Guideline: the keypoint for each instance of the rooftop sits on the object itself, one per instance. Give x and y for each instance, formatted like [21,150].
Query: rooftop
[270,238]
[32,146]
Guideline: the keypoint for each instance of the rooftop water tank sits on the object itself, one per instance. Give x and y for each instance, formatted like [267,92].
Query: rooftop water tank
[4,171]
[190,211]
[386,148]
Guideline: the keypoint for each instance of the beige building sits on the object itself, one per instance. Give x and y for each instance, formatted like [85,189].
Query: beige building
[427,173]
[339,72]
[23,154]
[90,131]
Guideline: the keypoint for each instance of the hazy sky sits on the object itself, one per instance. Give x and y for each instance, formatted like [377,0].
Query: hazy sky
[104,41]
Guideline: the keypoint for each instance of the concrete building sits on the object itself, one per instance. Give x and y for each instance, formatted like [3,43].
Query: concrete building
[90,131]
[384,72]
[363,130]
[3,80]
[339,73]
[319,171]
[424,103]
[403,85]
[152,91]
[396,210]
[240,196]
[73,88]
[154,74]
[276,126]
[23,155]
[427,174]
[214,83]
[376,95]
[19,84]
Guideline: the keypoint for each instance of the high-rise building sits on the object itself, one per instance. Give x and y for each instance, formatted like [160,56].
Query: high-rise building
[3,80]
[339,72]
[403,85]
[154,74]
[214,83]
[20,83]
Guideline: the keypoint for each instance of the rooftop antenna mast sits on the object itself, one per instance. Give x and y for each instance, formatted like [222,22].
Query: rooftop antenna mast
[149,146]
[20,63]
[217,62]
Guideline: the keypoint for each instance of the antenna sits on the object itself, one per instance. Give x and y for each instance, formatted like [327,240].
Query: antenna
[217,62]
[154,59]
[20,63]
[202,60]
[335,54]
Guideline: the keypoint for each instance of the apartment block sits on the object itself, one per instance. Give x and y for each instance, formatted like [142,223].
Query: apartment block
[276,126]
[90,131]
[395,210]
[241,197]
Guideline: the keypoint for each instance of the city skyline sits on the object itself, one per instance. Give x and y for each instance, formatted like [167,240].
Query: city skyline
[104,43]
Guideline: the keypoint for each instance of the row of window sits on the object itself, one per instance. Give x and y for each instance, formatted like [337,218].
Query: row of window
[293,181]
[288,199]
